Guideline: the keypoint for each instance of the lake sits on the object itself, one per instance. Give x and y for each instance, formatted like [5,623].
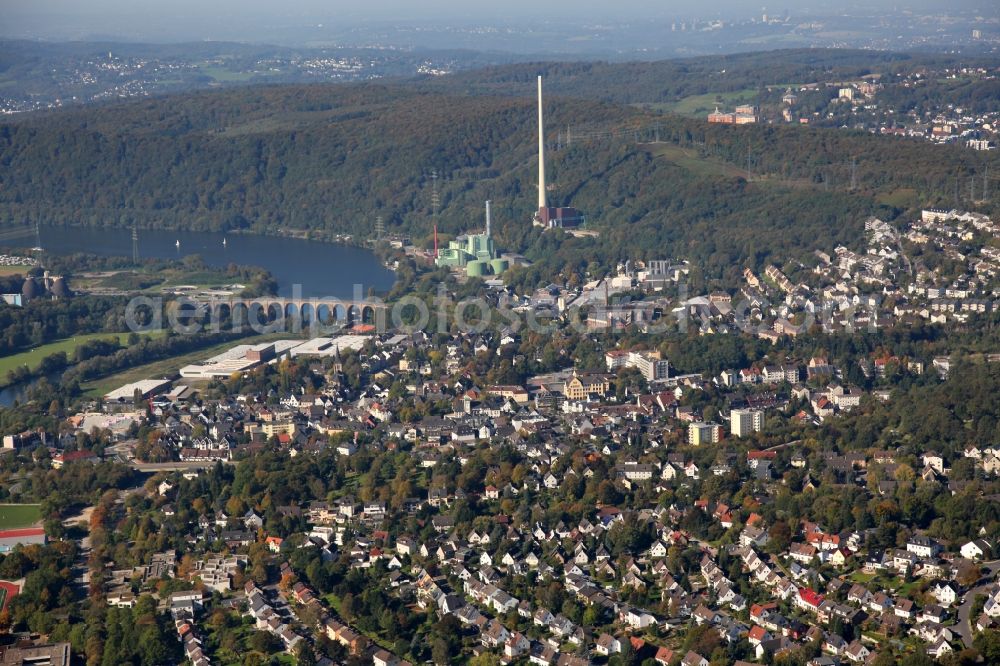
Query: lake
[322,269]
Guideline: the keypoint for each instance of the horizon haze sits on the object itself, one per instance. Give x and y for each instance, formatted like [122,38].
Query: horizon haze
[342,23]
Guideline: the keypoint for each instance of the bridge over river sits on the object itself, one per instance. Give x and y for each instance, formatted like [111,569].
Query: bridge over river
[307,310]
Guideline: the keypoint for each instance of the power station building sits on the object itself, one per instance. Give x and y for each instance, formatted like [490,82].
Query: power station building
[473,252]
[550,217]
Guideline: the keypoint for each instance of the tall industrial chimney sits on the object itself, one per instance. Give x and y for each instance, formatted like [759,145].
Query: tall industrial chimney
[541,152]
[487,218]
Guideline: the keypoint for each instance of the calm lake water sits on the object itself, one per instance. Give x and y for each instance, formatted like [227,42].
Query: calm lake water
[322,269]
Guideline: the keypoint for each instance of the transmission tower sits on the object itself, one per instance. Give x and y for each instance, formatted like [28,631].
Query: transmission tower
[379,228]
[38,235]
[435,196]
[135,243]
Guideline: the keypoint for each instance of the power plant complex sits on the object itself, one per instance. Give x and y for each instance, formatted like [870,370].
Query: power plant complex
[475,252]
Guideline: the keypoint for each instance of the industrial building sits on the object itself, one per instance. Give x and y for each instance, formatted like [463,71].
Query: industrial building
[55,654]
[550,217]
[473,252]
[246,357]
[238,359]
[147,387]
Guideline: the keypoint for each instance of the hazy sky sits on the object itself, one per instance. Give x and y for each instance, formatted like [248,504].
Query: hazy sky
[172,20]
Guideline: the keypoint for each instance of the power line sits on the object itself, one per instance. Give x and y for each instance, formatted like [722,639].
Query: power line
[435,196]
[16,233]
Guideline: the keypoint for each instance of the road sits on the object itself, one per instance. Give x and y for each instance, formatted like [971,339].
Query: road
[80,566]
[175,466]
[964,626]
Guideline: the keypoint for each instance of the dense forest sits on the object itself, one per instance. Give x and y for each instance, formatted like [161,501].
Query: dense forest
[332,158]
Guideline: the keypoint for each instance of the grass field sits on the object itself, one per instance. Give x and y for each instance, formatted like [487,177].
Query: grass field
[17,269]
[33,357]
[689,160]
[701,105]
[170,366]
[901,198]
[14,516]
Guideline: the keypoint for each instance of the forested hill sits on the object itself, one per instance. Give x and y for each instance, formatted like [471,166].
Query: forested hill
[332,158]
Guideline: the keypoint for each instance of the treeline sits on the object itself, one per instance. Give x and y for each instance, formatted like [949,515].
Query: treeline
[47,604]
[145,350]
[42,321]
[47,593]
[76,483]
[975,96]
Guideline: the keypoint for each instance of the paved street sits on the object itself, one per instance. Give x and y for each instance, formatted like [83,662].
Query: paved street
[964,628]
[174,466]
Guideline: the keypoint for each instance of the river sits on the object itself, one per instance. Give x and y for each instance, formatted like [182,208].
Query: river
[19,392]
[322,269]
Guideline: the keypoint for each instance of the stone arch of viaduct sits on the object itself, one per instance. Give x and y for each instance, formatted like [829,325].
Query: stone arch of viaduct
[324,310]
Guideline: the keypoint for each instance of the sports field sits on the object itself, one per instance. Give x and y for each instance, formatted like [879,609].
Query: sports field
[14,269]
[33,357]
[13,516]
[8,591]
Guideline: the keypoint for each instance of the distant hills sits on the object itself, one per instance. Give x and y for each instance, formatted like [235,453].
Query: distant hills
[329,158]
[670,80]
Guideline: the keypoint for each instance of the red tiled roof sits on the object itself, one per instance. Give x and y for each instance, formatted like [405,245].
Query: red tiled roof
[70,456]
[810,597]
[761,455]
